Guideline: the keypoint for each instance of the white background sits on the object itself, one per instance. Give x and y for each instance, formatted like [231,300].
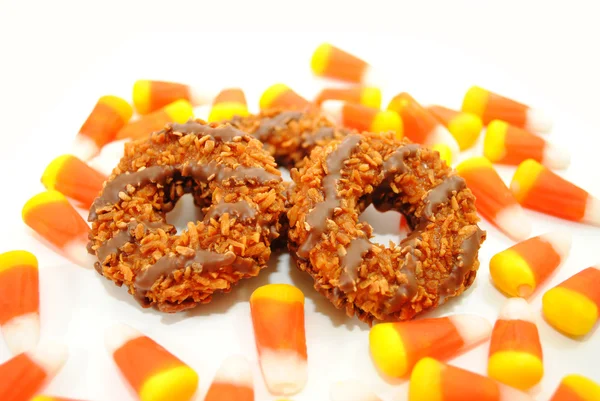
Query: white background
[58,57]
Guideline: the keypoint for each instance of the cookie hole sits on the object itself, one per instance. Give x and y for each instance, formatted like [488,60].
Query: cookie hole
[386,226]
[184,211]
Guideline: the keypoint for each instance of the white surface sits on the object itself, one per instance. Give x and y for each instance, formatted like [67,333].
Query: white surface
[516,309]
[50,357]
[59,57]
[235,370]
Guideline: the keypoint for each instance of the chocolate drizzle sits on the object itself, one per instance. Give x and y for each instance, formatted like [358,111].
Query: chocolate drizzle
[351,261]
[241,209]
[464,263]
[393,166]
[220,173]
[268,125]
[442,194]
[317,218]
[225,133]
[320,135]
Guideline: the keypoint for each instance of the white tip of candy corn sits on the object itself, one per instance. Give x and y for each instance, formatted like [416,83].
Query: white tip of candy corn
[371,77]
[555,157]
[84,148]
[333,108]
[516,309]
[22,333]
[512,394]
[50,357]
[202,112]
[592,211]
[514,222]
[118,335]
[351,390]
[201,95]
[538,121]
[235,370]
[472,328]
[285,373]
[560,241]
[76,252]
[441,135]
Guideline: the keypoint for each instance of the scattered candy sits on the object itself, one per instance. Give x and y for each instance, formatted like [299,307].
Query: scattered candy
[515,356]
[180,111]
[73,178]
[25,374]
[491,106]
[110,114]
[435,381]
[152,372]
[520,269]
[228,104]
[329,61]
[507,144]
[19,300]
[444,151]
[538,188]
[464,127]
[420,125]
[351,390]
[282,96]
[51,216]
[494,200]
[366,95]
[233,381]
[397,347]
[573,306]
[278,320]
[576,388]
[150,96]
[363,118]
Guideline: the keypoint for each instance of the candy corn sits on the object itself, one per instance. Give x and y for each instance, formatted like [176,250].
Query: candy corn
[420,125]
[227,104]
[573,306]
[150,96]
[152,372]
[506,144]
[351,390]
[278,320]
[538,188]
[282,96]
[362,118]
[331,62]
[26,373]
[51,398]
[179,111]
[493,199]
[520,269]
[367,96]
[464,127]
[233,381]
[397,347]
[73,178]
[110,114]
[515,351]
[444,151]
[54,219]
[491,106]
[435,381]
[20,300]
[576,388]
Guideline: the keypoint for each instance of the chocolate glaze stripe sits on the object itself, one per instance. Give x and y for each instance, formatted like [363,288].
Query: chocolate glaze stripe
[351,261]
[395,163]
[442,194]
[317,218]
[464,263]
[225,133]
[280,121]
[241,208]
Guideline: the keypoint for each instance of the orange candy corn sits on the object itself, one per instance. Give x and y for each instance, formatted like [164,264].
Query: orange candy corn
[362,118]
[150,96]
[51,216]
[329,61]
[282,96]
[397,347]
[351,390]
[538,188]
[515,356]
[179,111]
[464,127]
[432,380]
[51,398]
[233,381]
[227,104]
[507,144]
[110,114]
[73,178]
[520,269]
[366,95]
[493,199]
[25,374]
[278,320]
[576,388]
[152,372]
[573,306]
[420,125]
[19,300]
[491,106]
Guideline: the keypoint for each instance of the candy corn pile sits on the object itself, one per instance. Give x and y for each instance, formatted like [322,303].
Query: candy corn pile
[415,351]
